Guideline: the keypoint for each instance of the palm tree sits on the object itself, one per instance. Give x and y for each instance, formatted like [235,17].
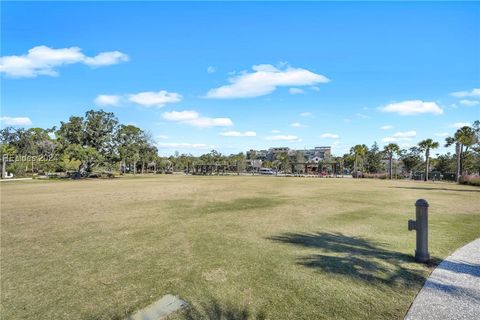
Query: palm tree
[390,150]
[284,160]
[464,137]
[359,151]
[253,157]
[426,145]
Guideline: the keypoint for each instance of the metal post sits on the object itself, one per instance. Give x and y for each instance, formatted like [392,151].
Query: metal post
[421,227]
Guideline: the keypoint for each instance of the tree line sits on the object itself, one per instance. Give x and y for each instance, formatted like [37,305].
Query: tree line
[99,142]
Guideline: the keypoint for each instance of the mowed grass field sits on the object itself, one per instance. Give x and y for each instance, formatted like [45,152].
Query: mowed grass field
[232,247]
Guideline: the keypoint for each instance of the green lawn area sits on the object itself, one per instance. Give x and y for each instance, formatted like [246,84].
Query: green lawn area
[245,247]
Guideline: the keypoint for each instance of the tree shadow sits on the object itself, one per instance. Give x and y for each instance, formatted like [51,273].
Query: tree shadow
[440,189]
[355,257]
[461,267]
[214,310]
[454,291]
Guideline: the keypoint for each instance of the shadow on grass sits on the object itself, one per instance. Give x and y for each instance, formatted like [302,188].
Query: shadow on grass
[440,189]
[214,310]
[355,257]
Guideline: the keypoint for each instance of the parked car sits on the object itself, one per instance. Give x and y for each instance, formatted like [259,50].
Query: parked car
[266,171]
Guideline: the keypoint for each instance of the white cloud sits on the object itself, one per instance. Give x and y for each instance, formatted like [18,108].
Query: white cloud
[461,124]
[211,69]
[43,60]
[184,145]
[306,114]
[401,136]
[386,127]
[442,134]
[150,98]
[193,118]
[238,134]
[107,100]
[405,134]
[329,136]
[275,131]
[297,125]
[315,88]
[284,138]
[264,80]
[296,91]
[162,137]
[106,59]
[16,121]
[360,115]
[412,107]
[472,93]
[469,103]
[181,115]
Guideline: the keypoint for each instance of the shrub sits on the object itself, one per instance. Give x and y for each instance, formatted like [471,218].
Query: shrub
[473,180]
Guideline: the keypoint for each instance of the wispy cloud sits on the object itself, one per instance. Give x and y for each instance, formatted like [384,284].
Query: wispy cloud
[306,114]
[265,79]
[43,60]
[469,103]
[386,127]
[211,69]
[297,125]
[193,118]
[238,134]
[275,131]
[290,138]
[329,136]
[16,121]
[361,115]
[412,107]
[107,100]
[158,99]
[471,93]
[401,136]
[460,124]
[296,91]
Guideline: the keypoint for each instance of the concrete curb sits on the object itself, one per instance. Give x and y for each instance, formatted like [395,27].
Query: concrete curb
[453,289]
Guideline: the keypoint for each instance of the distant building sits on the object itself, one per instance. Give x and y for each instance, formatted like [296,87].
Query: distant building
[314,155]
[318,154]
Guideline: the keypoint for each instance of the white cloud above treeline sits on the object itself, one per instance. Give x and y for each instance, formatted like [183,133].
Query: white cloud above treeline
[469,103]
[290,138]
[145,99]
[386,127]
[265,79]
[193,118]
[306,114]
[107,100]
[43,60]
[329,136]
[401,136]
[150,98]
[459,125]
[469,93]
[238,134]
[296,91]
[16,121]
[412,107]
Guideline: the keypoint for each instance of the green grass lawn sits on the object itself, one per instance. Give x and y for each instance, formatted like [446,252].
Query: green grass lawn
[232,247]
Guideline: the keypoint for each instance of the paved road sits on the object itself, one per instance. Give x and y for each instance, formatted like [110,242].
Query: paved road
[453,289]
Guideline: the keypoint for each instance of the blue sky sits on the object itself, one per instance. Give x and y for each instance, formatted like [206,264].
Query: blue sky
[235,76]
